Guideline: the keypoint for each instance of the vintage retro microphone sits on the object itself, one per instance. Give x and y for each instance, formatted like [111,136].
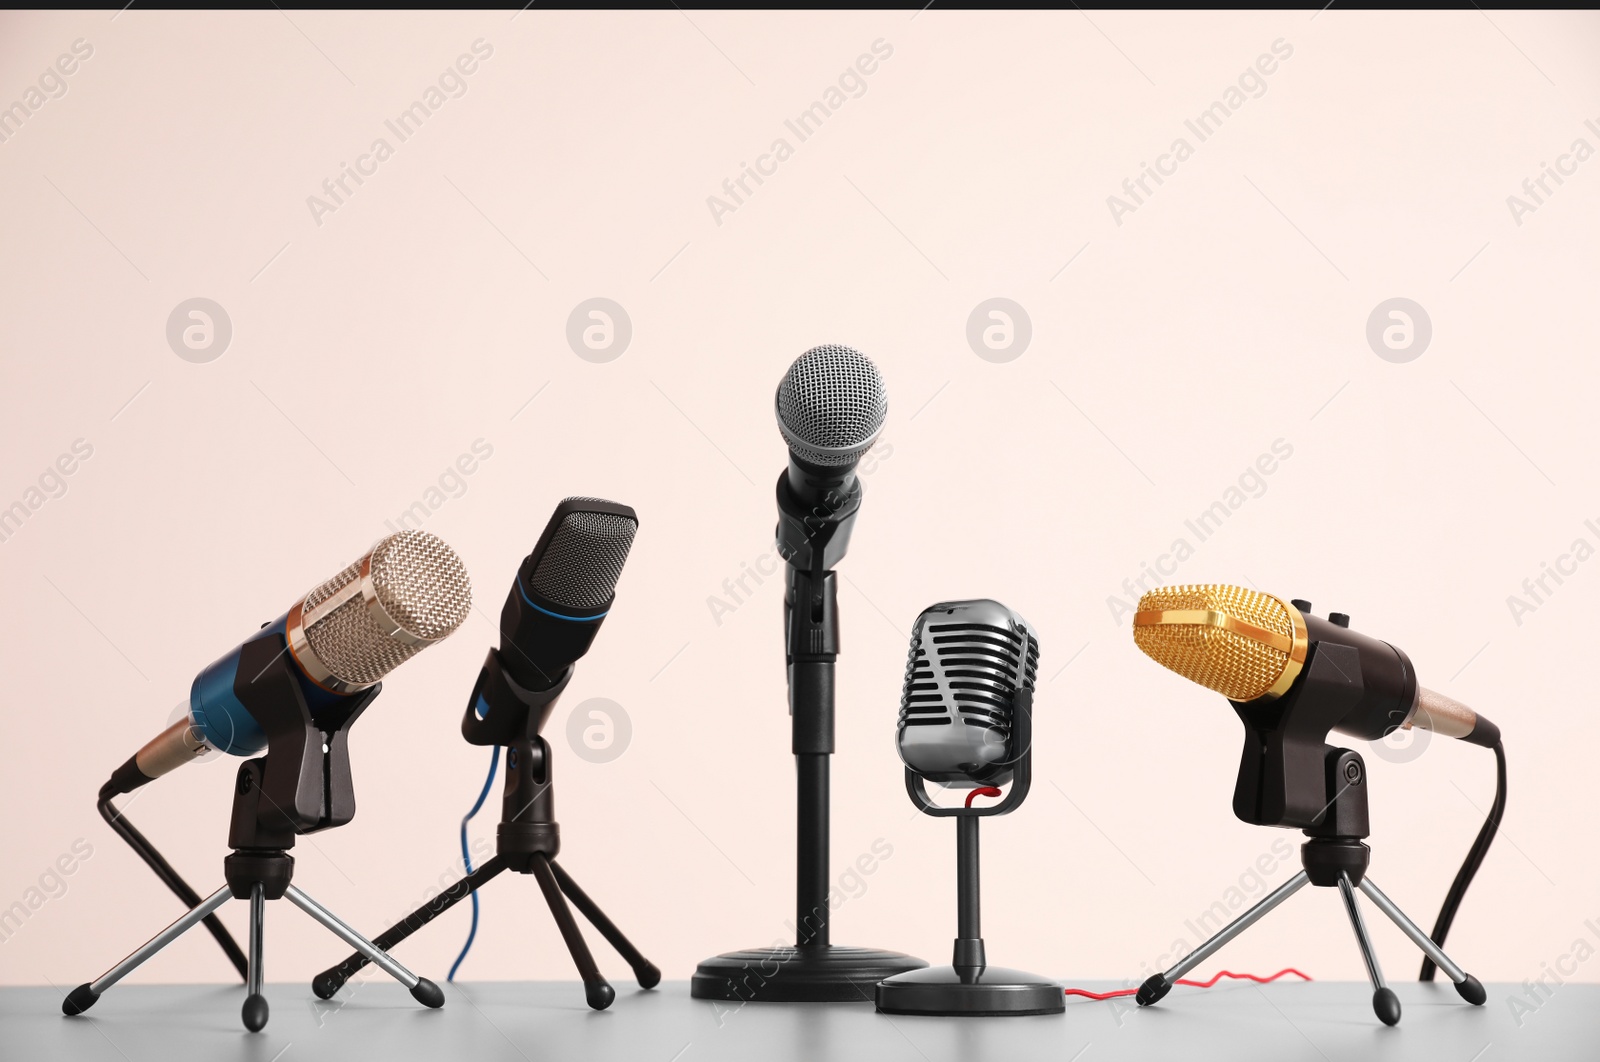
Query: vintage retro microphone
[1293,678]
[831,407]
[966,722]
[292,691]
[562,593]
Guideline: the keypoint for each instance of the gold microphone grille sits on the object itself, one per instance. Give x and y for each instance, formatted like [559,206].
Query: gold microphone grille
[1195,643]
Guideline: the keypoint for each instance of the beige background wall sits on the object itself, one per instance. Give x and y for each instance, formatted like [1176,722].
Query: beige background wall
[1171,347]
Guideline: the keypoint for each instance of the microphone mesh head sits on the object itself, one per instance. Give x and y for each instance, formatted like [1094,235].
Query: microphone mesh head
[967,661]
[831,405]
[1241,643]
[581,565]
[419,593]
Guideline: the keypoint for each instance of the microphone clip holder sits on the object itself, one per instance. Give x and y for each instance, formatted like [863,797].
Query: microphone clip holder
[969,986]
[301,785]
[1290,777]
[815,538]
[502,712]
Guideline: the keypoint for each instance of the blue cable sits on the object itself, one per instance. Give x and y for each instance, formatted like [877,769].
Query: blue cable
[466,858]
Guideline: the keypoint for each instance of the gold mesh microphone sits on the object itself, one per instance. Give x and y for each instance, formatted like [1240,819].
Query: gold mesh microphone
[1250,646]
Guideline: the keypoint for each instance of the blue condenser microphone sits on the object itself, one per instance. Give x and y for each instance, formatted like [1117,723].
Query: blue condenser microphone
[406,593]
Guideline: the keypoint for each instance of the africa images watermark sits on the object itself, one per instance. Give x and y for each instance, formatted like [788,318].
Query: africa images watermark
[851,884]
[51,484]
[1250,85]
[1537,190]
[1251,483]
[51,885]
[450,85]
[50,85]
[451,483]
[1538,991]
[850,85]
[1537,589]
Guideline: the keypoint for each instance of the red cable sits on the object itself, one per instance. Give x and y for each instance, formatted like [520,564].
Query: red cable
[1192,984]
[983,790]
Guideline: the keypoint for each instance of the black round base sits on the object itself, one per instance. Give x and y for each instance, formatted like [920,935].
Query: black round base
[811,973]
[1472,991]
[648,975]
[991,991]
[254,1013]
[324,986]
[599,995]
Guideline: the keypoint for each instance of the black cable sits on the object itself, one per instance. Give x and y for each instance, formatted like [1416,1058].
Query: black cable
[170,877]
[1469,865]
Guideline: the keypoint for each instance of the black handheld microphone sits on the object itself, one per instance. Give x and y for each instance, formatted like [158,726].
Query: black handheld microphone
[966,722]
[831,408]
[563,590]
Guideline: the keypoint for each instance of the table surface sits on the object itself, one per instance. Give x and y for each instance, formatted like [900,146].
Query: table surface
[539,1021]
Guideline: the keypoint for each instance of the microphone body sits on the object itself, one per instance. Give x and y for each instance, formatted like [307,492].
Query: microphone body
[1254,649]
[968,663]
[831,406]
[562,593]
[403,595]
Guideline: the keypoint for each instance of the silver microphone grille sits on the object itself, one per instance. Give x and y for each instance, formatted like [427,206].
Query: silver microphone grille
[407,592]
[967,661]
[831,405]
[583,561]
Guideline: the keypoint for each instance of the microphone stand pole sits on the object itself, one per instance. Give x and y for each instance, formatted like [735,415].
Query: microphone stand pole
[815,970]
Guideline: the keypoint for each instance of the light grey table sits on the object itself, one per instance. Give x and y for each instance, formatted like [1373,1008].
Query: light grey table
[540,1021]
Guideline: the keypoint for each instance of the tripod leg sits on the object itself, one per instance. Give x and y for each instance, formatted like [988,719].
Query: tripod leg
[643,969]
[595,987]
[329,981]
[1160,984]
[1467,986]
[255,1004]
[423,990]
[1384,1002]
[83,997]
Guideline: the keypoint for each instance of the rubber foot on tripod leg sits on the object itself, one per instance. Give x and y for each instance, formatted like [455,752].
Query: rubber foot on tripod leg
[326,985]
[1472,991]
[1152,990]
[1386,1005]
[427,993]
[78,1000]
[599,994]
[647,975]
[254,1012]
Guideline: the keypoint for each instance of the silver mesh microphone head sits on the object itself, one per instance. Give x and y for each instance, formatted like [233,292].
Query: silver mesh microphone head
[583,560]
[406,593]
[831,405]
[967,661]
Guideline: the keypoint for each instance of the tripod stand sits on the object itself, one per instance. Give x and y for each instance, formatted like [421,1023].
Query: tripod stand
[502,713]
[1284,780]
[815,970]
[301,785]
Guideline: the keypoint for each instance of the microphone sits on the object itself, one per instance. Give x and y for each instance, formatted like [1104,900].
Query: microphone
[407,592]
[968,661]
[1252,647]
[563,591]
[966,722]
[560,596]
[831,406]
